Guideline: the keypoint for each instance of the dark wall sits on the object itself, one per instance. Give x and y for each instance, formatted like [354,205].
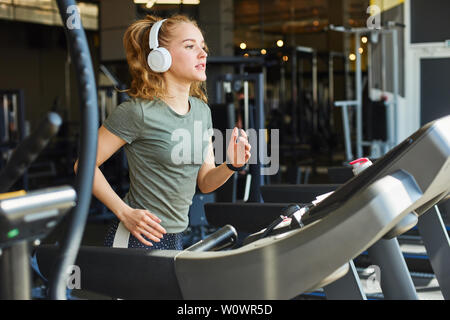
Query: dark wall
[33,57]
[435,91]
[430,21]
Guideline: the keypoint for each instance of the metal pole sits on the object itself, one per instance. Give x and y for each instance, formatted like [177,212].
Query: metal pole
[282,92]
[218,91]
[15,273]
[246,105]
[6,117]
[314,91]
[396,282]
[255,170]
[359,151]
[437,243]
[395,70]
[295,93]
[390,104]
[369,67]
[345,121]
[346,288]
[331,81]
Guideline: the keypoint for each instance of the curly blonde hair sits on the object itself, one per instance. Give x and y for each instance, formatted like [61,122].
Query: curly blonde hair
[145,83]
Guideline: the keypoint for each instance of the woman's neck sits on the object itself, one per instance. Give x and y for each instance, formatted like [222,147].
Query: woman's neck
[177,96]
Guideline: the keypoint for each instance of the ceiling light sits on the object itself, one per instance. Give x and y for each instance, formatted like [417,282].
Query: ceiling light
[242,45]
[150,3]
[263,51]
[352,57]
[280,43]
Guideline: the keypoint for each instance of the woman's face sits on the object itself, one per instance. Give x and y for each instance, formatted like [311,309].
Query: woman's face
[187,48]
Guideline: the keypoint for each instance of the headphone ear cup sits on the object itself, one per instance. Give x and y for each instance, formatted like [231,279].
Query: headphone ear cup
[159,60]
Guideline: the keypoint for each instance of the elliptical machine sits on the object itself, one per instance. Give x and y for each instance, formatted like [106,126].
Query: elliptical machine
[27,217]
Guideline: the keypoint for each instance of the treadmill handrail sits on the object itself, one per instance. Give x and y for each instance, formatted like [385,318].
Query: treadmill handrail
[319,248]
[28,150]
[277,267]
[81,58]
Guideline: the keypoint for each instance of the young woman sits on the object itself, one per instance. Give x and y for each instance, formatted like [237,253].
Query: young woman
[165,129]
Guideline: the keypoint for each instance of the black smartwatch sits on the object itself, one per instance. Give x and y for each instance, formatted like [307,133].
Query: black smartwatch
[233,168]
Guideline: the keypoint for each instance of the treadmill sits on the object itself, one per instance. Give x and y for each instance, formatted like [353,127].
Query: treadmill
[283,265]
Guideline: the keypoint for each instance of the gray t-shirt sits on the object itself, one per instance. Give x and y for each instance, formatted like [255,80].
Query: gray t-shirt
[165,150]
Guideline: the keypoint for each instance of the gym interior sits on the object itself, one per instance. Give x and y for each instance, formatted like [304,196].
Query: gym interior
[346,104]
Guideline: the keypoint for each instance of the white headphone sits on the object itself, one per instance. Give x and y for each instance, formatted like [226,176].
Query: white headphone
[159,58]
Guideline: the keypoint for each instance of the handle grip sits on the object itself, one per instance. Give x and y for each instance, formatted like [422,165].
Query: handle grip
[28,150]
[222,238]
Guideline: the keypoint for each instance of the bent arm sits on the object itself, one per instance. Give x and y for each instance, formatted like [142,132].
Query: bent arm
[108,144]
[211,177]
[139,222]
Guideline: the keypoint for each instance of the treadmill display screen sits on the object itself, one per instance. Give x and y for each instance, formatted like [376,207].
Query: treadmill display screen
[365,178]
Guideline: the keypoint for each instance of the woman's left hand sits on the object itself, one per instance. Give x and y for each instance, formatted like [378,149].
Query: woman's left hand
[238,151]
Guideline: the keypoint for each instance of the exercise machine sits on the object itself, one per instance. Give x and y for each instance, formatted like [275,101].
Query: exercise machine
[27,217]
[32,215]
[386,252]
[378,148]
[254,118]
[283,265]
[12,126]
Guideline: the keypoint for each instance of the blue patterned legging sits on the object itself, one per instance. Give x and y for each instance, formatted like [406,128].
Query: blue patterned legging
[170,241]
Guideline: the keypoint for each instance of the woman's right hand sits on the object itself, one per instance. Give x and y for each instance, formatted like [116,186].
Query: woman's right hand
[143,223]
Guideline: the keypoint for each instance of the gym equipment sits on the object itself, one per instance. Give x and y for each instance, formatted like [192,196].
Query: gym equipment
[437,243]
[198,225]
[109,97]
[12,125]
[222,238]
[300,193]
[254,118]
[34,210]
[12,116]
[24,219]
[399,286]
[159,59]
[386,253]
[392,107]
[81,59]
[27,217]
[28,150]
[247,272]
[431,228]
[282,266]
[340,174]
[243,215]
[308,121]
[33,215]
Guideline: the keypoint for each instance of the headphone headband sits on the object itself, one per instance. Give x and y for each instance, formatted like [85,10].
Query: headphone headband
[153,38]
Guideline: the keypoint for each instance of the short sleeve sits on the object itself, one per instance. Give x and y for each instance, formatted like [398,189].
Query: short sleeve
[125,121]
[209,119]
[209,125]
